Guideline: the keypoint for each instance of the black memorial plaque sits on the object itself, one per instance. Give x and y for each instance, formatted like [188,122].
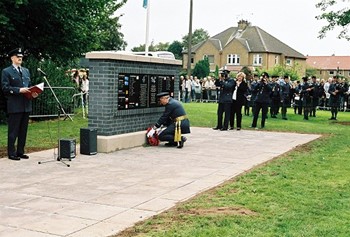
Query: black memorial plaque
[140,91]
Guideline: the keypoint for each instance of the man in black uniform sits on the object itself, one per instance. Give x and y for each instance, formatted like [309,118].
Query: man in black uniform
[315,93]
[262,100]
[275,97]
[227,86]
[175,119]
[15,81]
[285,97]
[305,94]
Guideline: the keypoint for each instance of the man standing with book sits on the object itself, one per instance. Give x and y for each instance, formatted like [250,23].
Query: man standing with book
[15,82]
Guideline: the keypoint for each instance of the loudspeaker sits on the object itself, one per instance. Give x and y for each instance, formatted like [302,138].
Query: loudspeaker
[67,148]
[88,141]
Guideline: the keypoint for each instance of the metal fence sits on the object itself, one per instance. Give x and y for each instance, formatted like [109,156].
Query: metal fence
[46,104]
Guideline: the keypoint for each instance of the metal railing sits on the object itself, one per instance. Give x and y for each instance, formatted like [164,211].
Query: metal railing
[46,105]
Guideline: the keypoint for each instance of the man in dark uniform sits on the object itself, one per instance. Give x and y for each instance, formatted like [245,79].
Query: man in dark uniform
[225,100]
[275,97]
[175,120]
[315,93]
[15,81]
[285,97]
[305,94]
[262,100]
[336,89]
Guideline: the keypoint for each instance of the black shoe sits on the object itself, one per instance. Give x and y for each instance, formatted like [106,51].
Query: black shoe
[231,128]
[238,128]
[216,128]
[284,118]
[23,156]
[14,158]
[182,142]
[170,144]
[223,129]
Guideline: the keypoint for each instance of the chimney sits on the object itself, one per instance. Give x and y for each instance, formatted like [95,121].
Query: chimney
[242,25]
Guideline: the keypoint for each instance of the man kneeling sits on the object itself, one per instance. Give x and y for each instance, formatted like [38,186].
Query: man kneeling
[175,120]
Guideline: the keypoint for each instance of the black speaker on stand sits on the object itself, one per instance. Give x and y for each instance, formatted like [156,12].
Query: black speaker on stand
[67,148]
[88,141]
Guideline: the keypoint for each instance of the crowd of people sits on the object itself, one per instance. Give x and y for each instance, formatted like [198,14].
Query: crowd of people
[267,94]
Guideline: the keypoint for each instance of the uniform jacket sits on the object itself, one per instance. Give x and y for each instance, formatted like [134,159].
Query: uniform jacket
[173,110]
[11,82]
[263,93]
[227,88]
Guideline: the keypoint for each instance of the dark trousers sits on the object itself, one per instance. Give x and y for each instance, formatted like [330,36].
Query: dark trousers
[224,108]
[264,108]
[169,133]
[274,107]
[17,130]
[236,111]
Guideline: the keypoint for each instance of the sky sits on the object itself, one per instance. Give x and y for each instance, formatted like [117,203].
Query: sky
[291,21]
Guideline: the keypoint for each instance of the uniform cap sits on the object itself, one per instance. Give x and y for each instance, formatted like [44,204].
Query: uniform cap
[161,94]
[17,51]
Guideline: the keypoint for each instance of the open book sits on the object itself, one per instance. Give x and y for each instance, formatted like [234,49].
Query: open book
[37,88]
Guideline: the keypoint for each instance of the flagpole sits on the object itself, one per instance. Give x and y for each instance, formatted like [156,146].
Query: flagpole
[147,27]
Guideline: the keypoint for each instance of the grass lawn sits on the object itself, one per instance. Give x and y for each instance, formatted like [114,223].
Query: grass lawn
[305,192]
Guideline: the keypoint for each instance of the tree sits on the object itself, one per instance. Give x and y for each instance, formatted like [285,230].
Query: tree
[158,47]
[198,36]
[340,18]
[59,30]
[176,48]
[202,68]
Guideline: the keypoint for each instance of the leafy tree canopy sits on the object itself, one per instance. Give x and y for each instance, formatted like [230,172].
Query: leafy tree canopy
[59,30]
[202,68]
[198,36]
[176,48]
[152,47]
[335,18]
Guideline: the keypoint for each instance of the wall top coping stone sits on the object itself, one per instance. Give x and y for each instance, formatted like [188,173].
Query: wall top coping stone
[125,56]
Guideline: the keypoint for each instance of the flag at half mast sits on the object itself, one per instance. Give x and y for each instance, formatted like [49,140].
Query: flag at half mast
[145,3]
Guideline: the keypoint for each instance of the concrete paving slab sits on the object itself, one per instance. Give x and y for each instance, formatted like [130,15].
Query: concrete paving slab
[103,194]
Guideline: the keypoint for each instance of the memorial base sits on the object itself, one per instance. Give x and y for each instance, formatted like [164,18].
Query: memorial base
[106,144]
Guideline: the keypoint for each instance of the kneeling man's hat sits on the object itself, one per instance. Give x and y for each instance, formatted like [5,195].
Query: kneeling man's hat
[161,94]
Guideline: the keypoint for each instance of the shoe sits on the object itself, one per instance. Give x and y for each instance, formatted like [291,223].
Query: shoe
[23,156]
[223,129]
[238,128]
[284,118]
[182,142]
[216,128]
[170,144]
[231,128]
[14,158]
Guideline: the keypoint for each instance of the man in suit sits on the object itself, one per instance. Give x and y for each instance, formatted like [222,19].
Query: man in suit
[227,87]
[15,82]
[175,120]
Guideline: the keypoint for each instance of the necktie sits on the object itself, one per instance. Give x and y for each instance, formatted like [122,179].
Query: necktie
[20,71]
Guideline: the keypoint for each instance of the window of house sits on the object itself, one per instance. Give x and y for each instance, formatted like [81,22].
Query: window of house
[289,61]
[233,59]
[257,59]
[277,60]
[192,59]
[331,72]
[210,58]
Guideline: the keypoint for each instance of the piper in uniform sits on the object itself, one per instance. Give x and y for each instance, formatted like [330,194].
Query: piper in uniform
[15,81]
[175,120]
[285,97]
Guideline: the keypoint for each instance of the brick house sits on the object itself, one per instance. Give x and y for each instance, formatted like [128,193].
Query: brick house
[245,45]
[329,66]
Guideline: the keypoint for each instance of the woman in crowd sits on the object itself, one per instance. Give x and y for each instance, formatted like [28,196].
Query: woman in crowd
[238,100]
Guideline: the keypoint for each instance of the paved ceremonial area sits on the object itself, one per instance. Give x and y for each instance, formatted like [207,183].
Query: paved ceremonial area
[103,194]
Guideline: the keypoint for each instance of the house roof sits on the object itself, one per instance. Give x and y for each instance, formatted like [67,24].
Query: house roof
[254,39]
[329,62]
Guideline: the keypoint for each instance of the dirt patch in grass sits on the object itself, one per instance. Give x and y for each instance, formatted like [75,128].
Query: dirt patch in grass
[344,123]
[222,211]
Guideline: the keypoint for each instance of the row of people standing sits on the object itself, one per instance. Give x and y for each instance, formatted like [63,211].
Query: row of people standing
[200,90]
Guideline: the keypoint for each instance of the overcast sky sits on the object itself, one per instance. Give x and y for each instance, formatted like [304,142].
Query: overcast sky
[291,21]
